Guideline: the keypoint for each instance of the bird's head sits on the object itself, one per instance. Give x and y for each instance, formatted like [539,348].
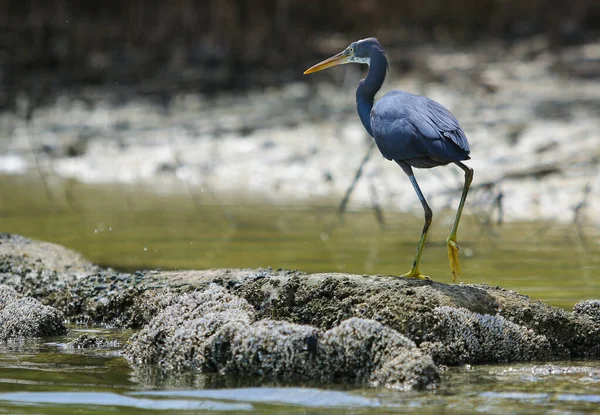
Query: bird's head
[357,52]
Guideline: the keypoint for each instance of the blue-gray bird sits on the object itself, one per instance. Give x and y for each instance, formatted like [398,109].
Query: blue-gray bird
[412,130]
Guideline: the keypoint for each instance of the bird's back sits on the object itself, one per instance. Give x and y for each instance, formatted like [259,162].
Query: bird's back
[417,130]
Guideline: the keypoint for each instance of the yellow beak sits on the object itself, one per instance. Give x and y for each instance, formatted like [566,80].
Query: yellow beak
[335,60]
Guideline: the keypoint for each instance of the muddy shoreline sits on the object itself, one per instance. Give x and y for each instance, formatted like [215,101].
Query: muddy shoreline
[531,117]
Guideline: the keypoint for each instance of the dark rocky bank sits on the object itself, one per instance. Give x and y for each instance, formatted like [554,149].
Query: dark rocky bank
[167,46]
[377,330]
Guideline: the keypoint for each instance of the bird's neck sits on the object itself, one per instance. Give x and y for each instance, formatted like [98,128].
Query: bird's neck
[368,87]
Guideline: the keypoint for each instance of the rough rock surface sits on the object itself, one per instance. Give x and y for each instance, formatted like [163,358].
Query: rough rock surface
[455,323]
[214,331]
[39,255]
[7,295]
[528,329]
[461,336]
[174,338]
[88,341]
[36,268]
[24,318]
[588,308]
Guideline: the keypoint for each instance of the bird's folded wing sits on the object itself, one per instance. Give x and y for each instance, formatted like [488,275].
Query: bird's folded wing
[436,122]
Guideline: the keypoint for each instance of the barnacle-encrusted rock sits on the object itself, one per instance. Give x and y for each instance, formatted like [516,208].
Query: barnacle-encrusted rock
[173,338]
[23,318]
[266,348]
[214,331]
[321,302]
[462,336]
[588,308]
[366,351]
[7,295]
[90,341]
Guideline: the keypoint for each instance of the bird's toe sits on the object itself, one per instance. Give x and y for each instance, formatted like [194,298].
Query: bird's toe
[416,274]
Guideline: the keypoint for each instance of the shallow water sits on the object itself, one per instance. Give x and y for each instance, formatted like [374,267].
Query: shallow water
[52,379]
[136,228]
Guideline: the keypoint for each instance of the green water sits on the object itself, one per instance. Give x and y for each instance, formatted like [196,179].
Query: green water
[135,228]
[49,378]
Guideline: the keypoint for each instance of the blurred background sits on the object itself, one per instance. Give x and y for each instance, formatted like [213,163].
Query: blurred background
[182,134]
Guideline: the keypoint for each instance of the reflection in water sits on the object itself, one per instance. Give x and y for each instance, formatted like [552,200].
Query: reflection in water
[133,228]
[116,400]
[49,378]
[291,396]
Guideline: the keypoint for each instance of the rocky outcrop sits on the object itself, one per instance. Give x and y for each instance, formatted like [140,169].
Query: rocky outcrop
[378,330]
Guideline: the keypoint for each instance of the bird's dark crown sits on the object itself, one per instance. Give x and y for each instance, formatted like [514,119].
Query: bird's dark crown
[364,47]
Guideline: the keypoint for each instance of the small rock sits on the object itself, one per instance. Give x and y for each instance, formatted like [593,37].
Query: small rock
[88,341]
[588,308]
[28,318]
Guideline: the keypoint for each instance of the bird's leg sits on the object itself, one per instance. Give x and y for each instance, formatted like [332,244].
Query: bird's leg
[451,240]
[414,271]
[357,177]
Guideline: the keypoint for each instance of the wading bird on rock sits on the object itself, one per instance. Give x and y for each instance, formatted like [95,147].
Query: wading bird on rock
[412,130]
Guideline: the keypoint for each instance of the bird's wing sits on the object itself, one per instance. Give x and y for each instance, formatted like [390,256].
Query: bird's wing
[435,122]
[425,115]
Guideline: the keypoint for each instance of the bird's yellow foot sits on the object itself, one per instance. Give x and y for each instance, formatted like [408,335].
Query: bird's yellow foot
[453,258]
[415,273]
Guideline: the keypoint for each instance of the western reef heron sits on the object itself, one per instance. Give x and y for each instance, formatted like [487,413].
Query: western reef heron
[413,130]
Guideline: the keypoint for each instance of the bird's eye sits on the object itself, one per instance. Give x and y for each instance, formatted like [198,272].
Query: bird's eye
[351,49]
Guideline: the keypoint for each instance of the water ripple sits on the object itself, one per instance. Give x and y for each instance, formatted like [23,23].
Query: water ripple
[291,396]
[113,399]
